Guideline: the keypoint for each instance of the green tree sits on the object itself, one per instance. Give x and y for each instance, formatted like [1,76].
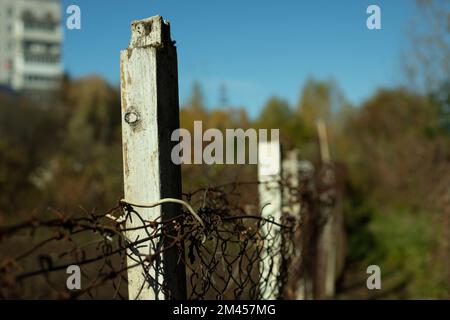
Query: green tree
[277,114]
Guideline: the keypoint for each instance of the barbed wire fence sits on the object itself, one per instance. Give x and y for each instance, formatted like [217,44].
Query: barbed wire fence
[223,258]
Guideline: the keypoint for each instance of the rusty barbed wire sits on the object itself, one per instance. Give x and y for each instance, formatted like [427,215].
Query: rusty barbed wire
[224,259]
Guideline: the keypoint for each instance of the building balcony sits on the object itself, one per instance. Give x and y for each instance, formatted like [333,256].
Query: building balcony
[50,36]
[44,69]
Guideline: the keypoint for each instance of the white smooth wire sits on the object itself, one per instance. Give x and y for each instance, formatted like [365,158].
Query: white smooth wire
[166,200]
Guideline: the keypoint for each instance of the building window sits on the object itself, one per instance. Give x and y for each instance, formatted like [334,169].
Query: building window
[32,23]
[42,58]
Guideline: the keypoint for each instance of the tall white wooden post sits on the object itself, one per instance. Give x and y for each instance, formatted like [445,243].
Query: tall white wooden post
[150,113]
[270,197]
[327,239]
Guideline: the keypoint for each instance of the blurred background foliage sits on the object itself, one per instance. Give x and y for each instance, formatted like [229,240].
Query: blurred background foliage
[393,148]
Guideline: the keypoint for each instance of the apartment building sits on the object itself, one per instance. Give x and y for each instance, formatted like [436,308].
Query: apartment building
[30,45]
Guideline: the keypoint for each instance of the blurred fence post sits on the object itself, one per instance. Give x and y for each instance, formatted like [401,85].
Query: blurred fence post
[305,287]
[291,176]
[270,197]
[291,205]
[150,113]
[327,238]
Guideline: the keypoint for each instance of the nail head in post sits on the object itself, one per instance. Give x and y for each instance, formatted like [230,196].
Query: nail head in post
[132,117]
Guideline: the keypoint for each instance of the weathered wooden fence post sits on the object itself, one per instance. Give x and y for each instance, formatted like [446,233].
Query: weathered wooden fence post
[294,172]
[291,204]
[270,199]
[305,289]
[291,174]
[327,239]
[150,113]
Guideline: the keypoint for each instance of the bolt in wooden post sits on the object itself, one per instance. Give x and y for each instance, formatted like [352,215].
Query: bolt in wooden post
[270,197]
[150,113]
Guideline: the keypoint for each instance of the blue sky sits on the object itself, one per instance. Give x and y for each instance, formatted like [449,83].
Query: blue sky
[256,48]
